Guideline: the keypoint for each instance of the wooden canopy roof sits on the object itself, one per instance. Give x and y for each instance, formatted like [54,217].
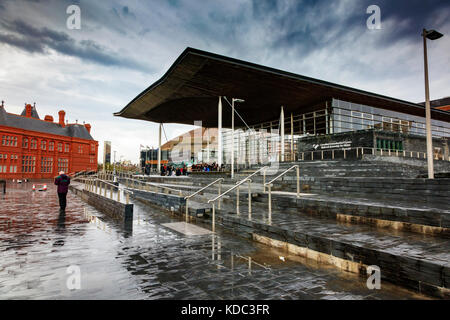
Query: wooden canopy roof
[189,91]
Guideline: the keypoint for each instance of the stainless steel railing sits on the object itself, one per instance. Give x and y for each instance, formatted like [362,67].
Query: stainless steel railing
[359,152]
[237,200]
[139,183]
[269,186]
[96,186]
[201,190]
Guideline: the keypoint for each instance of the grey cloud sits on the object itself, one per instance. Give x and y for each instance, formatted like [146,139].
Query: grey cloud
[34,40]
[295,27]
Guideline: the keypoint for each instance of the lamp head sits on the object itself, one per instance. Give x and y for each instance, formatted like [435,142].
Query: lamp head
[238,100]
[432,34]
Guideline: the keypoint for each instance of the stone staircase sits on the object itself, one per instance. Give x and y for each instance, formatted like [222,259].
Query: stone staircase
[351,214]
[415,261]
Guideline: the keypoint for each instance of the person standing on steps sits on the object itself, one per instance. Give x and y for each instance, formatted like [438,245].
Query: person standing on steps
[62,181]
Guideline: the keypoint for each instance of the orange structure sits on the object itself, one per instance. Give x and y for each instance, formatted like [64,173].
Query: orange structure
[31,148]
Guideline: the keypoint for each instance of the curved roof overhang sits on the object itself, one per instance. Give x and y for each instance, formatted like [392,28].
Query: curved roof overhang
[189,91]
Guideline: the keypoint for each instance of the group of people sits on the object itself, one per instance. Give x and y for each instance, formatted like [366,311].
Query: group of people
[205,167]
[173,171]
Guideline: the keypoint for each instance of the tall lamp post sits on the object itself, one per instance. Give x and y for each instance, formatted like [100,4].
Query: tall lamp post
[232,134]
[114,167]
[432,35]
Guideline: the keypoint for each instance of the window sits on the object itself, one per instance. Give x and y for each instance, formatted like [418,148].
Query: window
[28,164]
[406,125]
[9,141]
[46,164]
[33,144]
[25,143]
[356,120]
[385,144]
[60,147]
[63,165]
[51,146]
[13,169]
[368,121]
[66,148]
[92,147]
[80,149]
[43,145]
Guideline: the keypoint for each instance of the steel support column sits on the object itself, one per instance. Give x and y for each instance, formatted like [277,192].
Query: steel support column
[282,134]
[219,138]
[159,147]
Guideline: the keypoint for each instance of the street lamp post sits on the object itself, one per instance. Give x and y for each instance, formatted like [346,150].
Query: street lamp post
[114,167]
[432,35]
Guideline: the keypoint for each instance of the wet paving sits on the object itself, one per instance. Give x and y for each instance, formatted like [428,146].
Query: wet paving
[151,261]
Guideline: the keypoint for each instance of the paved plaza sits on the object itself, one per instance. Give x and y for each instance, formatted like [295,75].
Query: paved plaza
[151,261]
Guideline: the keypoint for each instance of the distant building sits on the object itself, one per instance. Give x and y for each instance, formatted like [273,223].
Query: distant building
[32,148]
[195,146]
[106,153]
[440,104]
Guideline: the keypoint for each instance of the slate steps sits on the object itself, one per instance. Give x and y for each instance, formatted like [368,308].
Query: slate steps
[415,261]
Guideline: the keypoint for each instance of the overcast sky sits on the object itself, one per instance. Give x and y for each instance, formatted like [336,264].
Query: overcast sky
[124,46]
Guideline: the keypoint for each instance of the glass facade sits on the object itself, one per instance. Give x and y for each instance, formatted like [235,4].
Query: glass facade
[347,116]
[261,142]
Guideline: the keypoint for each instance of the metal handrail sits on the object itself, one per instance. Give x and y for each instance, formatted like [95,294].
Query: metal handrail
[269,185]
[198,191]
[229,190]
[360,151]
[92,186]
[258,171]
[202,189]
[156,185]
[237,200]
[282,174]
[113,185]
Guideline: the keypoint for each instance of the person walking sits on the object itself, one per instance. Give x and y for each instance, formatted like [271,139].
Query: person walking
[62,181]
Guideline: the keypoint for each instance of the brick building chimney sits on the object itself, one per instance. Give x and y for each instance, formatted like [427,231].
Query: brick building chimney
[28,110]
[88,127]
[62,115]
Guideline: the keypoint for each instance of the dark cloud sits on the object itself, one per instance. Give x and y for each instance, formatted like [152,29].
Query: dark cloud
[304,26]
[34,40]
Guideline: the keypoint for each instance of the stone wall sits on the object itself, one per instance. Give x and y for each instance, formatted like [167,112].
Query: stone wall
[168,201]
[116,210]
[414,273]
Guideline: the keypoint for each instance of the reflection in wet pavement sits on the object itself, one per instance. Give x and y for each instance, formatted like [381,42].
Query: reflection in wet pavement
[38,244]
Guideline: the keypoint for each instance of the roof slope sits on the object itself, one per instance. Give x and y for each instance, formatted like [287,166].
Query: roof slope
[34,113]
[32,124]
[190,89]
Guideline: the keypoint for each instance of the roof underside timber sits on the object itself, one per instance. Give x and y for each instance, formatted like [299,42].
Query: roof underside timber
[190,89]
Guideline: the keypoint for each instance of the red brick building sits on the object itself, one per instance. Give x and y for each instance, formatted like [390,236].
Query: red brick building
[31,148]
